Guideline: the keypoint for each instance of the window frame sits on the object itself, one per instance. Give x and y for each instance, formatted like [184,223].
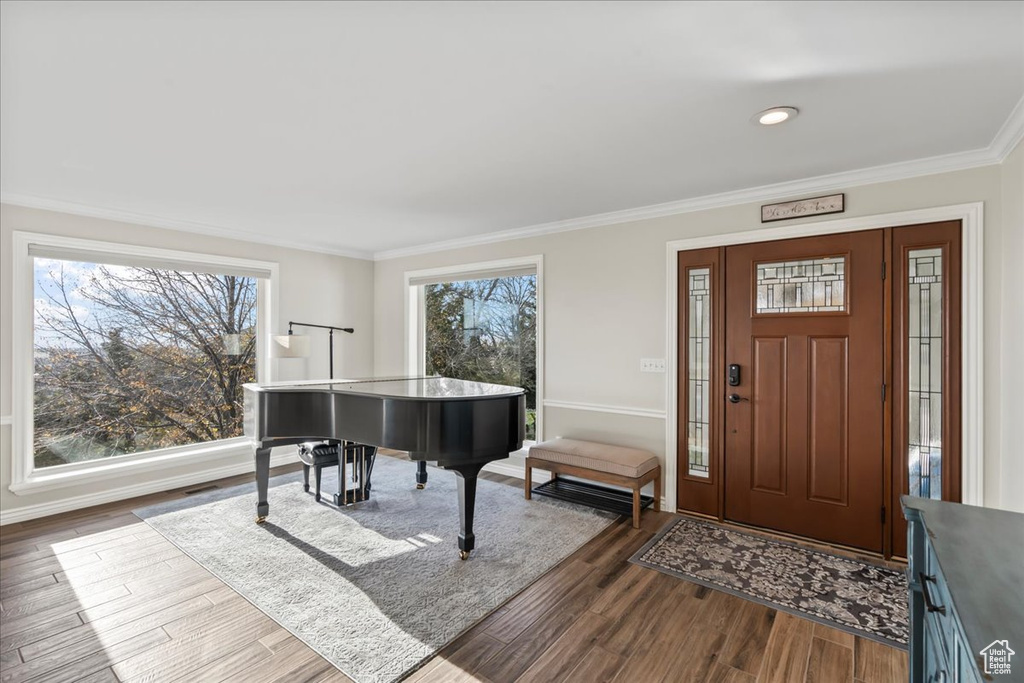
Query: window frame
[25,476]
[415,343]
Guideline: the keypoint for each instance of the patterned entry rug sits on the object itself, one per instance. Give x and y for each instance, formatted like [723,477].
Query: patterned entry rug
[378,587]
[858,597]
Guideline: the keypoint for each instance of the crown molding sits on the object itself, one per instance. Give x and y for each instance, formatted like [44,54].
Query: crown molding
[1004,142]
[778,191]
[49,204]
[1010,134]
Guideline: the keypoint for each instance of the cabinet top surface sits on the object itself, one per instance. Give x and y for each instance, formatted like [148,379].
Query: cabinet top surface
[981,555]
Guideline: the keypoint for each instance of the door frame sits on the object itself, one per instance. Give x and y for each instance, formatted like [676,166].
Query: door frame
[971,217]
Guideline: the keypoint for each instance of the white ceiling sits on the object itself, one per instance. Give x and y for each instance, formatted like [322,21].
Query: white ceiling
[376,126]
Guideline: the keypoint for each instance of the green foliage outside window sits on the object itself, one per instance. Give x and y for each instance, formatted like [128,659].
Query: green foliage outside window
[485,331]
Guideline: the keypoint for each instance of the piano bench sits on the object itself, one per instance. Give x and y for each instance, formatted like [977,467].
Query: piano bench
[318,457]
[631,468]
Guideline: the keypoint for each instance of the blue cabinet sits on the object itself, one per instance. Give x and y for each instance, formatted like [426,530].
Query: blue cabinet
[966,575]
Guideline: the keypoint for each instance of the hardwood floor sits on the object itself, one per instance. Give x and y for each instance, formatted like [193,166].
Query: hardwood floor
[96,595]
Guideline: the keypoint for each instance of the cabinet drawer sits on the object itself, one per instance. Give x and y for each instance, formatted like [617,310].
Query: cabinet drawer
[936,594]
[964,663]
[936,669]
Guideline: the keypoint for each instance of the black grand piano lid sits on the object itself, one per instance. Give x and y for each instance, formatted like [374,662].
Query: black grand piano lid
[410,388]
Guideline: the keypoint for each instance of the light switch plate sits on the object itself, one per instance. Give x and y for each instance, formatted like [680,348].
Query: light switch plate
[652,365]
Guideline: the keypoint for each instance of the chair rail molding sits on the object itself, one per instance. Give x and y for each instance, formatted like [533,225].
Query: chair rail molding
[972,334]
[614,410]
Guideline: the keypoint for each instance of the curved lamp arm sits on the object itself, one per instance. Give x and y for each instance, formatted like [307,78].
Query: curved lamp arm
[290,347]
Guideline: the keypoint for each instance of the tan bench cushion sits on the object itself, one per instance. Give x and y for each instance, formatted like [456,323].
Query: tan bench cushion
[626,462]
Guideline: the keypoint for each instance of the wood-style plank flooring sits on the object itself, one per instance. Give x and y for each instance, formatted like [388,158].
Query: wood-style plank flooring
[96,595]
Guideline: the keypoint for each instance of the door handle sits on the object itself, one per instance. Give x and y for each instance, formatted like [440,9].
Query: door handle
[736,398]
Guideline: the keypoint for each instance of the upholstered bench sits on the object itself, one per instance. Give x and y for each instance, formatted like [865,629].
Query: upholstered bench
[616,465]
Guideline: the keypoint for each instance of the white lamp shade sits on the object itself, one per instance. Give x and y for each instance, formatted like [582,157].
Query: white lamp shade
[232,344]
[289,346]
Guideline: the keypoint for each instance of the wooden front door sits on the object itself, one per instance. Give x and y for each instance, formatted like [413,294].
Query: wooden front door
[804,412]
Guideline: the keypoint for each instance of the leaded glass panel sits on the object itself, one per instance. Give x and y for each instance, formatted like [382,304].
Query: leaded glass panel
[808,286]
[924,269]
[698,368]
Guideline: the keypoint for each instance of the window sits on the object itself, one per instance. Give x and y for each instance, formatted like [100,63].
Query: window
[130,359]
[480,324]
[924,331]
[698,372]
[129,355]
[810,286]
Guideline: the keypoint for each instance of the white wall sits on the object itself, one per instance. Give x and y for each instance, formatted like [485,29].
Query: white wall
[1011,354]
[313,287]
[605,309]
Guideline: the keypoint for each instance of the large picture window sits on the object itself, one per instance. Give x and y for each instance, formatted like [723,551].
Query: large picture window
[131,359]
[482,326]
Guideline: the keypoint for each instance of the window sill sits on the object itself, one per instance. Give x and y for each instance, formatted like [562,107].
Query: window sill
[118,468]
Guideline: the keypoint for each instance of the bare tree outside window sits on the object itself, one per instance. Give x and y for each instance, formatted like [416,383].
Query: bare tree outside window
[485,331]
[131,359]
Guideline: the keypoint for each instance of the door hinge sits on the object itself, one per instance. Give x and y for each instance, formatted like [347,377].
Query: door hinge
[883,270]
[883,392]
[883,514]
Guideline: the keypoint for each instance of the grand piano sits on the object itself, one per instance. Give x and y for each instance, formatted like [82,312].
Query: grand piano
[459,424]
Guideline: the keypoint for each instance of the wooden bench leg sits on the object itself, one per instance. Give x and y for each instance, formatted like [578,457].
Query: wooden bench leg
[529,481]
[636,506]
[657,493]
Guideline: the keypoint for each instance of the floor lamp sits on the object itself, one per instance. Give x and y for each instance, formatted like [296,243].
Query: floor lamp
[294,345]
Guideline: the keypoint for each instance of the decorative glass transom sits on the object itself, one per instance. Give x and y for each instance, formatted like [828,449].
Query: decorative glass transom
[809,286]
[924,268]
[698,369]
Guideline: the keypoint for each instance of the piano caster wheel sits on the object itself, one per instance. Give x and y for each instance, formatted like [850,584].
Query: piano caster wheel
[420,487]
[261,520]
[463,554]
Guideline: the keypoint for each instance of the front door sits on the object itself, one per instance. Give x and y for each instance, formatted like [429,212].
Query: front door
[804,411]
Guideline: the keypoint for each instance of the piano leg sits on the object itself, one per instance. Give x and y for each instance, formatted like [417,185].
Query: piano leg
[421,473]
[466,478]
[262,482]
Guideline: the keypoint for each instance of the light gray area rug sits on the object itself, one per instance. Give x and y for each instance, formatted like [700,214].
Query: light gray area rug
[378,587]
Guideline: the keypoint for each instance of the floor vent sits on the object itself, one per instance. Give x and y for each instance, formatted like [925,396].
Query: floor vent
[211,487]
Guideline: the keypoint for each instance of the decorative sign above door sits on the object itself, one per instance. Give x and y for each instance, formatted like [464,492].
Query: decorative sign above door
[815,206]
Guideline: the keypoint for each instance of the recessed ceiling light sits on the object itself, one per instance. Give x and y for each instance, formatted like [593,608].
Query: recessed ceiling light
[770,117]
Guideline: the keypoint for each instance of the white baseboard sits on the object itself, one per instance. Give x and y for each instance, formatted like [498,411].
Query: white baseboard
[511,469]
[24,513]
